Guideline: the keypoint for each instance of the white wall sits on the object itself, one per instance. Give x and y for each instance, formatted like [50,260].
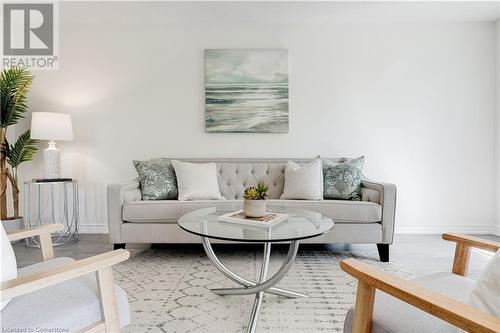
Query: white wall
[497,137]
[418,99]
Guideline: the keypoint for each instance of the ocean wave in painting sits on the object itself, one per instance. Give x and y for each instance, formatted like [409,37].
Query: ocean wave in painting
[247,108]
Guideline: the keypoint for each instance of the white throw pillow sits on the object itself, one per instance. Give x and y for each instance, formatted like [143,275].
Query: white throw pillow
[197,181]
[304,182]
[486,292]
[8,269]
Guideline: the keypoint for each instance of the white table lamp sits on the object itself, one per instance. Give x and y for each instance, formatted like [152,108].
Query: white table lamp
[51,126]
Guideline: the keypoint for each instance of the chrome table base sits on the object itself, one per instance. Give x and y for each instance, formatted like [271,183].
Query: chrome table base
[264,285]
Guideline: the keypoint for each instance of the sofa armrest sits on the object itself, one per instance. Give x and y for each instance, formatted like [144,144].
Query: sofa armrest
[118,194]
[387,199]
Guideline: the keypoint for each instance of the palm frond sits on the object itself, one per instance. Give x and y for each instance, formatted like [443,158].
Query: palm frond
[14,84]
[22,151]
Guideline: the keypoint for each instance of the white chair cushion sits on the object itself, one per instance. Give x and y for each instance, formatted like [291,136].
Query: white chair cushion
[197,181]
[8,269]
[69,306]
[304,181]
[391,315]
[486,292]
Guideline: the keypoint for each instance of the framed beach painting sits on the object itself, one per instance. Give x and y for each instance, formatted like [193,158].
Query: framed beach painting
[246,91]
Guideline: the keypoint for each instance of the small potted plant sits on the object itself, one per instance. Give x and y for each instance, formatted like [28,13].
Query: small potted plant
[254,203]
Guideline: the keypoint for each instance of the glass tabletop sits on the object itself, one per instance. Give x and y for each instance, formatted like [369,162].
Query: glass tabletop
[300,224]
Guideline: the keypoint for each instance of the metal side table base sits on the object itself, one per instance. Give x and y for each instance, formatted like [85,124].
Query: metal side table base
[263,286]
[40,209]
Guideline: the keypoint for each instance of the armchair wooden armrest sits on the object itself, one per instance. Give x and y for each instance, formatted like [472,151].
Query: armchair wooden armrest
[101,264]
[43,232]
[454,312]
[36,231]
[26,284]
[462,250]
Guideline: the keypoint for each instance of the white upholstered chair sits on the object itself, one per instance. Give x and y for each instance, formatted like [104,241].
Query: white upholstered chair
[61,294]
[437,302]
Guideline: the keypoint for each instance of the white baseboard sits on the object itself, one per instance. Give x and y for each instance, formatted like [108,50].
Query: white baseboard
[93,229]
[486,229]
[495,230]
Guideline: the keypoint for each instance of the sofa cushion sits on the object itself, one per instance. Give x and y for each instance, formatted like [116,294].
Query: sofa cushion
[197,181]
[391,315]
[303,181]
[157,178]
[343,180]
[341,211]
[69,306]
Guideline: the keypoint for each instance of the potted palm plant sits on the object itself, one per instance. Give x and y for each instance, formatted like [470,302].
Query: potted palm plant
[14,85]
[254,203]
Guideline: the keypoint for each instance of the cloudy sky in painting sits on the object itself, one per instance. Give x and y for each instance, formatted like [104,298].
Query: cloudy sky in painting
[246,66]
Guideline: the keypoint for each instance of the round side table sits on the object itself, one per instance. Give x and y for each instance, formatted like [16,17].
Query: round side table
[52,202]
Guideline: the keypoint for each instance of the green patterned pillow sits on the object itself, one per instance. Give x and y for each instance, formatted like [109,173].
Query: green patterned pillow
[343,180]
[157,178]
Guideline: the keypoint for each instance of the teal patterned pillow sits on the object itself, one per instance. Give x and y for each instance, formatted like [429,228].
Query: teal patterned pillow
[157,178]
[343,180]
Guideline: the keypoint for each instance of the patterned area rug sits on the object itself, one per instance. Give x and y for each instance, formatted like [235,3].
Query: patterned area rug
[169,291]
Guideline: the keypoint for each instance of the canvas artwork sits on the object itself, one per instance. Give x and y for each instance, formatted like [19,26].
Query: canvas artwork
[246,91]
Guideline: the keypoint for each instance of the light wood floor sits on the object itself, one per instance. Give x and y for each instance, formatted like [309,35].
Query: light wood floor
[418,253]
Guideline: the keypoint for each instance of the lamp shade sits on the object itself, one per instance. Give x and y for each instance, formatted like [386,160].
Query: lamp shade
[51,126]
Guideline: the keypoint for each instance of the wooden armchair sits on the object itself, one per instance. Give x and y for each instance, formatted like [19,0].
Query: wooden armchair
[426,294]
[62,288]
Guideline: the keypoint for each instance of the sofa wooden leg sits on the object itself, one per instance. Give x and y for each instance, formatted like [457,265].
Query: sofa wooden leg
[119,246]
[383,252]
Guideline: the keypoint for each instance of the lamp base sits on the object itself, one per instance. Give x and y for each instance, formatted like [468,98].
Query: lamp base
[51,161]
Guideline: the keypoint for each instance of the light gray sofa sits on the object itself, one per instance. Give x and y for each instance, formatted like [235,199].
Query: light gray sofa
[369,221]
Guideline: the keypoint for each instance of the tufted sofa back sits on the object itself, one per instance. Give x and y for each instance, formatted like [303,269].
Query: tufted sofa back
[234,175]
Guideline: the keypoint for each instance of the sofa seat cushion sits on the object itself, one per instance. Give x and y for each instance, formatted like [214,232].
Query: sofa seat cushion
[69,306]
[169,211]
[392,315]
[341,211]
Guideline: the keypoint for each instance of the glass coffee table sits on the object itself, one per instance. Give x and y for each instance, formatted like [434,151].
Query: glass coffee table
[301,224]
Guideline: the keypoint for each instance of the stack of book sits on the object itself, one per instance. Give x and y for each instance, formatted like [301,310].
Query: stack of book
[268,220]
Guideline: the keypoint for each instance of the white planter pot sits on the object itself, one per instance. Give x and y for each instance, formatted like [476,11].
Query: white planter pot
[254,208]
[12,224]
